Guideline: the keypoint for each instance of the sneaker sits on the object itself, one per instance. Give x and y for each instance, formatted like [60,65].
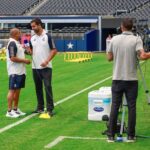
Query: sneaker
[38,111]
[19,112]
[51,114]
[111,139]
[131,139]
[11,114]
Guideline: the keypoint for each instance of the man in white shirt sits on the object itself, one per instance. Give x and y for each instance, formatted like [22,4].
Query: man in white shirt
[43,51]
[17,72]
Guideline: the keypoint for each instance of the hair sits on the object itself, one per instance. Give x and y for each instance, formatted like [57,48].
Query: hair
[127,23]
[37,21]
[13,32]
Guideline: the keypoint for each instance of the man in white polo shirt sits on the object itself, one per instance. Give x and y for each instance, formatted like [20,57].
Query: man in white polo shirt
[17,72]
[43,51]
[124,50]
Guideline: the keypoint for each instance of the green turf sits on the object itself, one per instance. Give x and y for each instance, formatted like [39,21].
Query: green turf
[71,116]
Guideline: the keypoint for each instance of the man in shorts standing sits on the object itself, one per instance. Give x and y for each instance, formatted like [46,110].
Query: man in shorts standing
[17,72]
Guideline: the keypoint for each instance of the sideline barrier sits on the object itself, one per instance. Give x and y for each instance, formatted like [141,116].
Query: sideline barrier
[3,54]
[77,56]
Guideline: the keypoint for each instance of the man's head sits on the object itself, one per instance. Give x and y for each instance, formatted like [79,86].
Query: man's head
[15,34]
[127,24]
[36,25]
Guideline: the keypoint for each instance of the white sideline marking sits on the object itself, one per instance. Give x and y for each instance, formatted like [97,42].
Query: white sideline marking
[55,142]
[75,94]
[57,103]
[17,123]
[61,138]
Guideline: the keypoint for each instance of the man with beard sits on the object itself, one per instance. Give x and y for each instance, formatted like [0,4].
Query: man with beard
[43,51]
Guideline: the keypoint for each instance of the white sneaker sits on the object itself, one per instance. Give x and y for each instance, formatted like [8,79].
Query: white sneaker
[12,114]
[19,112]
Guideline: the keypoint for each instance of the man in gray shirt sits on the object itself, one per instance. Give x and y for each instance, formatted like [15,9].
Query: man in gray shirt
[124,49]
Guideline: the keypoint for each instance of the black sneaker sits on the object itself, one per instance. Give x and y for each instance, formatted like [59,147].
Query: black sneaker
[111,139]
[51,114]
[38,111]
[131,139]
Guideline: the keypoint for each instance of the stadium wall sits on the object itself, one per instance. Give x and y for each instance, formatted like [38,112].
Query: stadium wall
[99,29]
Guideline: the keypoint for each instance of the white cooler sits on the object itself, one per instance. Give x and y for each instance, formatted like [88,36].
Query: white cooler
[99,103]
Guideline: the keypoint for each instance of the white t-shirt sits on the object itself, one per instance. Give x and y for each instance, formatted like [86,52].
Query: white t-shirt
[41,46]
[14,49]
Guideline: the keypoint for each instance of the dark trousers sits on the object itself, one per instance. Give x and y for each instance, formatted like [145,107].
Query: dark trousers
[130,89]
[41,76]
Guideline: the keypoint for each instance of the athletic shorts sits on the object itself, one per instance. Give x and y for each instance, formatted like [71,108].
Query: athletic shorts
[17,81]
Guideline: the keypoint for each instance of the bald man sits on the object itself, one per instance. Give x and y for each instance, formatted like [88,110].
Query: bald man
[16,71]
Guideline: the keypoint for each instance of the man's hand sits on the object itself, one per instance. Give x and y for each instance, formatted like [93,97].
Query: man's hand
[109,56]
[28,50]
[53,52]
[20,60]
[44,64]
[143,55]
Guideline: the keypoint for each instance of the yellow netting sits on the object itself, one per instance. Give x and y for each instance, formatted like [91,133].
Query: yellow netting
[3,54]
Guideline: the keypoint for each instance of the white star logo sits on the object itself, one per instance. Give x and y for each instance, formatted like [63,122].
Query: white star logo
[70,45]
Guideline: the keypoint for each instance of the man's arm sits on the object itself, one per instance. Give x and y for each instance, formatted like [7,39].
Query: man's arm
[142,55]
[109,51]
[53,52]
[12,49]
[20,60]
[109,56]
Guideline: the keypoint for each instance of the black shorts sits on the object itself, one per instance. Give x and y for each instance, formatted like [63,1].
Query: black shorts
[17,81]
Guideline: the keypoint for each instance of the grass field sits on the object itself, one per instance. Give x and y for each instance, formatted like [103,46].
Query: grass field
[71,116]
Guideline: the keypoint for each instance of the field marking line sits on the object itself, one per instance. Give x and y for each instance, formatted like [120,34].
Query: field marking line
[77,93]
[61,138]
[55,142]
[57,103]
[16,123]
